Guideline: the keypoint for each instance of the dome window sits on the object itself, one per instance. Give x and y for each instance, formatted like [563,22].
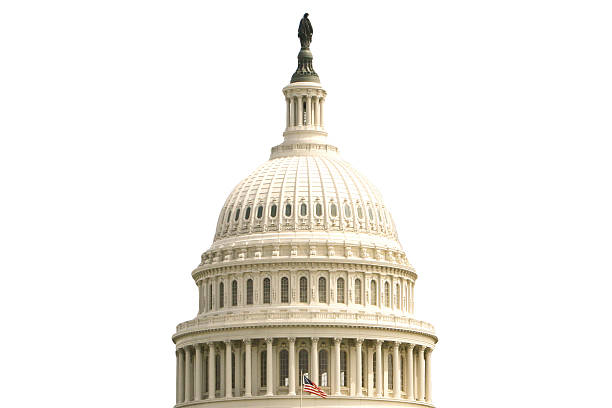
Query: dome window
[229,214]
[333,210]
[288,210]
[347,210]
[247,213]
[303,209]
[273,210]
[359,212]
[259,212]
[237,214]
[370,215]
[318,209]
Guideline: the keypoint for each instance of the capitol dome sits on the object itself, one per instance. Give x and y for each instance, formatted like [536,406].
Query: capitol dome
[305,280]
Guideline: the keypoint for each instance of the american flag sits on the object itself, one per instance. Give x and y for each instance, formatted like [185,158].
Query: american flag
[313,388]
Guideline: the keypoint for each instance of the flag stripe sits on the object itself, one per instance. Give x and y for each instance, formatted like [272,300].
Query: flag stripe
[313,388]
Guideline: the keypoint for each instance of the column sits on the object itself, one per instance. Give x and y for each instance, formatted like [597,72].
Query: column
[314,355]
[308,110]
[291,365]
[379,373]
[336,383]
[211,370]
[181,375]
[247,367]
[188,373]
[321,112]
[288,120]
[198,373]
[316,111]
[428,375]
[300,111]
[228,369]
[358,343]
[421,376]
[410,379]
[370,372]
[397,388]
[269,368]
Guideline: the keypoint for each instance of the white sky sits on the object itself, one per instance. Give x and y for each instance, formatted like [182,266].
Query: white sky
[486,126]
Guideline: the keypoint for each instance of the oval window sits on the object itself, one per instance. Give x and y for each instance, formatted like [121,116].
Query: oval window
[229,214]
[359,211]
[319,209]
[273,211]
[237,214]
[247,213]
[333,210]
[370,213]
[347,210]
[260,211]
[379,216]
[303,209]
[288,210]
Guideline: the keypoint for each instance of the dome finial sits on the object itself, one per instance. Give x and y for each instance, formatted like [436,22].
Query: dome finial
[305,72]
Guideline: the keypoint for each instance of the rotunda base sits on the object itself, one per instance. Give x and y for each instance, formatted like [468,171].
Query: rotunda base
[308,401]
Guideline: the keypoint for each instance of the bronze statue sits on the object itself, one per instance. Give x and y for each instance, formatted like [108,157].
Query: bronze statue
[305,31]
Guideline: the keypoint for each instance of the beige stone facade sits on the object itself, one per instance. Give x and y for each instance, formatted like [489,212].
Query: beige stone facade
[305,275]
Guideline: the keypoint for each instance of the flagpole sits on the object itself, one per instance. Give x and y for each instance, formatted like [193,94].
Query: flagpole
[301,386]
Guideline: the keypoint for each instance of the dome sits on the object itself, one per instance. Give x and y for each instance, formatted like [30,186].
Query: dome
[318,197]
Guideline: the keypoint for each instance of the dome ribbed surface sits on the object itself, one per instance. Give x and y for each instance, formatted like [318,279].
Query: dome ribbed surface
[305,194]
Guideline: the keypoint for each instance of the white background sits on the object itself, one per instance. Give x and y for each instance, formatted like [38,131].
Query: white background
[125,124]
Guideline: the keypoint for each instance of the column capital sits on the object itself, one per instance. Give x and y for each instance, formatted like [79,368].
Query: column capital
[396,344]
[410,346]
[269,340]
[291,339]
[314,339]
[337,340]
[359,341]
[246,341]
[228,343]
[211,344]
[379,342]
[428,350]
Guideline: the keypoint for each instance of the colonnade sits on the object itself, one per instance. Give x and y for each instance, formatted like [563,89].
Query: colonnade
[358,367]
[305,110]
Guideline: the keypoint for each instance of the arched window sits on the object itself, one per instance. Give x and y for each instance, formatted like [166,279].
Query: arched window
[373,292]
[221,295]
[390,370]
[247,213]
[333,210]
[288,210]
[323,368]
[322,290]
[273,210]
[234,293]
[397,296]
[217,372]
[249,296]
[229,214]
[340,290]
[303,363]
[347,210]
[343,373]
[374,367]
[210,299]
[358,291]
[387,295]
[263,374]
[284,368]
[237,214]
[266,290]
[319,210]
[303,289]
[370,214]
[259,212]
[359,212]
[303,209]
[285,290]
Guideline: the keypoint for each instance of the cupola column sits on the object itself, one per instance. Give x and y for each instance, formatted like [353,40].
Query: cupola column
[300,112]
[188,372]
[308,110]
[181,375]
[288,120]
[321,112]
[316,111]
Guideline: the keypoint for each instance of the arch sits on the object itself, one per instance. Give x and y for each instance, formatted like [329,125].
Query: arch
[249,292]
[288,210]
[263,364]
[373,292]
[303,362]
[358,291]
[318,209]
[285,290]
[210,297]
[397,296]
[259,213]
[347,210]
[333,210]
[237,214]
[283,362]
[234,293]
[322,290]
[266,290]
[343,372]
[303,209]
[273,210]
[304,289]
[221,295]
[359,212]
[340,290]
